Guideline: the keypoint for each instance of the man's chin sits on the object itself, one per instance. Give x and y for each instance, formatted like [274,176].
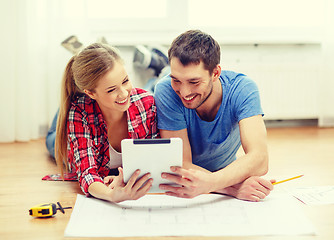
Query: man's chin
[189,105]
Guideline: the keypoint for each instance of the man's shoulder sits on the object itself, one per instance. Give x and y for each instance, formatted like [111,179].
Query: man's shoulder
[163,84]
[236,79]
[232,76]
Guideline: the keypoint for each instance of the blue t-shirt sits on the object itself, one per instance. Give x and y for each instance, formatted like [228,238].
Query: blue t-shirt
[213,144]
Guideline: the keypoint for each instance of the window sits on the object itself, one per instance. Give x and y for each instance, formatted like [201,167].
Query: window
[130,22]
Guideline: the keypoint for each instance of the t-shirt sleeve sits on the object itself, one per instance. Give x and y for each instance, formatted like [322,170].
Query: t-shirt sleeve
[170,109]
[247,99]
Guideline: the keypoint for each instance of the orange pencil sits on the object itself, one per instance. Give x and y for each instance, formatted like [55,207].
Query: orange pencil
[287,179]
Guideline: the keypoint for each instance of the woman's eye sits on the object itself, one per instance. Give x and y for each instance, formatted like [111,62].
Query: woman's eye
[111,90]
[125,81]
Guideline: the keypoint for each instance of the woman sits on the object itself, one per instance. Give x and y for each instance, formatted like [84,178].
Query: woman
[99,107]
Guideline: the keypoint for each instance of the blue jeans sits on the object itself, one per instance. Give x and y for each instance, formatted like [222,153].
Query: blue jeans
[51,136]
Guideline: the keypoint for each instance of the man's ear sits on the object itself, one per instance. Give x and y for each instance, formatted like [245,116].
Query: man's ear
[89,93]
[216,72]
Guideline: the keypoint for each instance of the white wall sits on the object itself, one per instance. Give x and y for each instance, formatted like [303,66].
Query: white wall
[295,35]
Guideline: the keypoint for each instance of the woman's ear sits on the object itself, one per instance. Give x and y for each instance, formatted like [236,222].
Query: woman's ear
[89,93]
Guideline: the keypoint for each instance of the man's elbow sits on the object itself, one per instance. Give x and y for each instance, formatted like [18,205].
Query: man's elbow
[263,163]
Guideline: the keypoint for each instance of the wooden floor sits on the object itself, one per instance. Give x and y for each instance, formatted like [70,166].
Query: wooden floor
[293,151]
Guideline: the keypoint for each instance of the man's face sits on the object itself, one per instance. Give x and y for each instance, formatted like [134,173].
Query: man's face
[192,83]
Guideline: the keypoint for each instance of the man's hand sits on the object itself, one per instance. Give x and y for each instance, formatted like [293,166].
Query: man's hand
[192,182]
[252,189]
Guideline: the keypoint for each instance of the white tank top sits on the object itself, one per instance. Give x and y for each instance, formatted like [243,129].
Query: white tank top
[115,158]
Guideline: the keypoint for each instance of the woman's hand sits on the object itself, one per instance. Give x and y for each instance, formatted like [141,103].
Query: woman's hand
[133,190]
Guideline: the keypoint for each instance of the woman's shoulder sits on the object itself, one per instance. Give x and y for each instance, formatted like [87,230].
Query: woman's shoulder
[142,101]
[139,95]
[84,104]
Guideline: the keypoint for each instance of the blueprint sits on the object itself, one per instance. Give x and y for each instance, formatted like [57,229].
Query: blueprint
[205,215]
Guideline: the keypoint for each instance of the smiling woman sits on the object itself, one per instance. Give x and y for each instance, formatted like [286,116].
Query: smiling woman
[99,108]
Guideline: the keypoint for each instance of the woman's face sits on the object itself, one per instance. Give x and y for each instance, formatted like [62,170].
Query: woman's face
[113,90]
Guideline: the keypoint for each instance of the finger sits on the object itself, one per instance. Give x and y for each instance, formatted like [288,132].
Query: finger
[185,173]
[179,195]
[120,176]
[272,181]
[118,180]
[260,195]
[176,179]
[257,196]
[147,186]
[173,194]
[266,184]
[139,183]
[262,190]
[179,190]
[133,179]
[107,180]
[120,172]
[253,198]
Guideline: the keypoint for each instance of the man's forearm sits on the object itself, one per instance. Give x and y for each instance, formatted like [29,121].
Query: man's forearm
[189,165]
[241,169]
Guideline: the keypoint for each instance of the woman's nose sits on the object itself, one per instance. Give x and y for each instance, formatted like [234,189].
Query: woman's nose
[123,92]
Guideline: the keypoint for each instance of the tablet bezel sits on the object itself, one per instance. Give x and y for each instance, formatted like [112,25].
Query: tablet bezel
[155,156]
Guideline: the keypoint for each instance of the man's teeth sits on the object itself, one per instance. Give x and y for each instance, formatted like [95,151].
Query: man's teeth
[189,98]
[122,101]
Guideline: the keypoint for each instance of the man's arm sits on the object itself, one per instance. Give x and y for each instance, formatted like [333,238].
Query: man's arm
[196,180]
[253,137]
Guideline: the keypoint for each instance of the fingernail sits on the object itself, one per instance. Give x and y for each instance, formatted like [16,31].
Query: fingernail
[163,175]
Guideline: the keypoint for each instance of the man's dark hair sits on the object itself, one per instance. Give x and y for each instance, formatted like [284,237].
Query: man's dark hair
[194,46]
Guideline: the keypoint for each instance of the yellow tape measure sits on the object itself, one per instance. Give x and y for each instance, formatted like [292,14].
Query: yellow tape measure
[46,210]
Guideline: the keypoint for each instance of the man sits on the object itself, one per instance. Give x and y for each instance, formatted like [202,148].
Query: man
[214,112]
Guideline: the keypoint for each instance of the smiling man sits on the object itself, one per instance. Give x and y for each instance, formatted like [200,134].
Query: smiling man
[215,112]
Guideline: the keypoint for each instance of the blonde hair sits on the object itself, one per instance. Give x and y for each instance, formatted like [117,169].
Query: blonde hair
[83,71]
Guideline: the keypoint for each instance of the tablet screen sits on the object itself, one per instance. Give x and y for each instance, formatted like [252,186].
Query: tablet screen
[151,155]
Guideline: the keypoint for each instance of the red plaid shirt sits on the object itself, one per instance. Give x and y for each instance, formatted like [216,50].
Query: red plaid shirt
[88,145]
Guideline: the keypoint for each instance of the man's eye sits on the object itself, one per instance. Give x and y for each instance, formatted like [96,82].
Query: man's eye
[193,82]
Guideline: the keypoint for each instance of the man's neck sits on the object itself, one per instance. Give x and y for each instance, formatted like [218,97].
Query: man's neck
[209,109]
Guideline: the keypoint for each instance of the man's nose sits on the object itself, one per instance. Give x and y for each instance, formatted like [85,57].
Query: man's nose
[185,91]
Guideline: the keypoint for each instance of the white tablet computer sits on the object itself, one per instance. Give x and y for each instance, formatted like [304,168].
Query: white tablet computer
[151,155]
